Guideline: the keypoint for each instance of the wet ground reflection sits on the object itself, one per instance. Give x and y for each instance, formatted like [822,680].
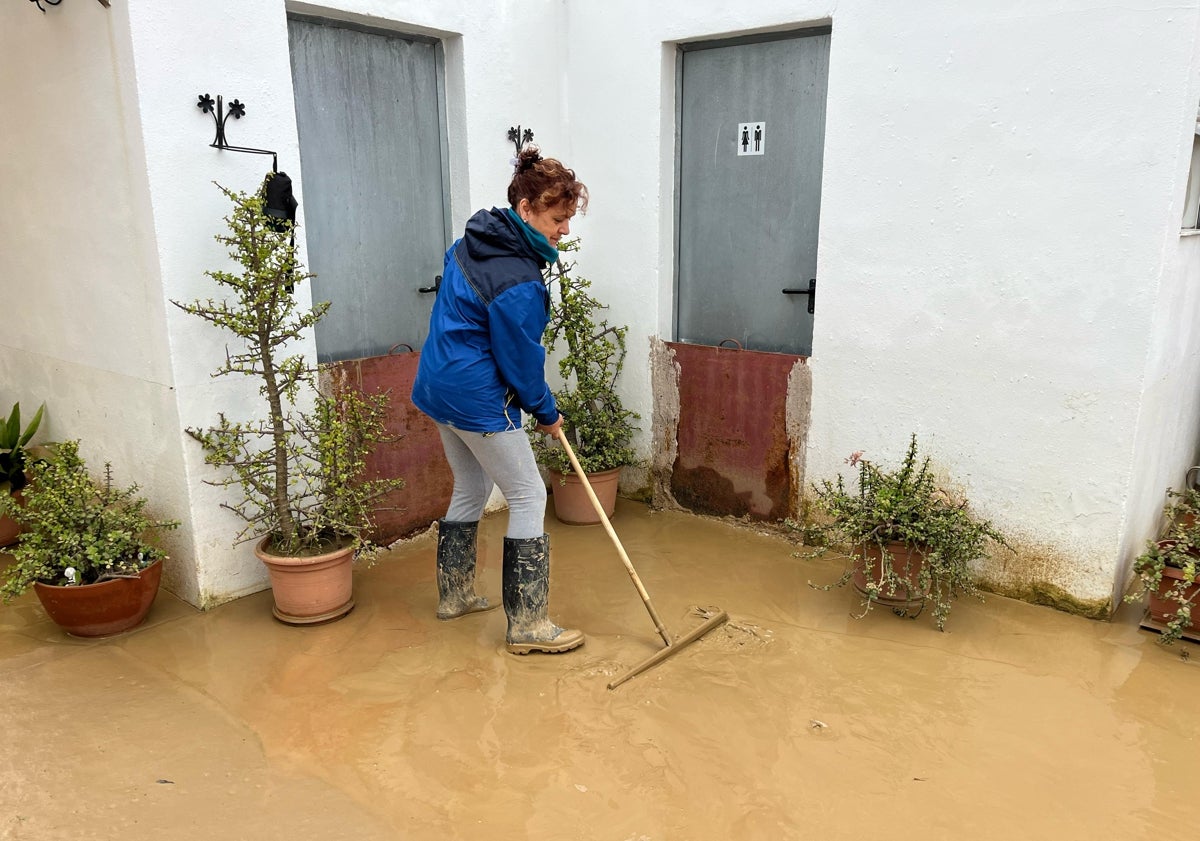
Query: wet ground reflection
[793,720]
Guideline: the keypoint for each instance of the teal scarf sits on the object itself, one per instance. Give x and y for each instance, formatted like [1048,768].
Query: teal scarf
[536,240]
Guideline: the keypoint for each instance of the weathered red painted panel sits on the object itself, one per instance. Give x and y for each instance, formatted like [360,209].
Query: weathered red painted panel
[732,436]
[415,451]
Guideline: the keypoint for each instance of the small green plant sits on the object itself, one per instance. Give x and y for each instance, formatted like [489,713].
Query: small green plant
[1178,551]
[594,419]
[903,506]
[78,530]
[300,470]
[14,457]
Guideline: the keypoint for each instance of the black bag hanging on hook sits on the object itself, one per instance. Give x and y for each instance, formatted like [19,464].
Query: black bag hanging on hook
[279,206]
[279,203]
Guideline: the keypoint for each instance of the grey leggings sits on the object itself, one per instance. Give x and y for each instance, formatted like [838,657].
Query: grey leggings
[481,460]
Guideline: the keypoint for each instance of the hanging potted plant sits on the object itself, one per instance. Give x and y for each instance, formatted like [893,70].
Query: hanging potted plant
[1169,571]
[598,426]
[15,456]
[299,466]
[909,540]
[83,547]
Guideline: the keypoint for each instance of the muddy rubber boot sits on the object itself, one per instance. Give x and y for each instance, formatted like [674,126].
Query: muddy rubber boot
[526,591]
[456,570]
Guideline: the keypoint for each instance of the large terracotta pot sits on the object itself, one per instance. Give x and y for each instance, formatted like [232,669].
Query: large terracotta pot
[9,528]
[571,503]
[98,610]
[906,563]
[1163,609]
[313,589]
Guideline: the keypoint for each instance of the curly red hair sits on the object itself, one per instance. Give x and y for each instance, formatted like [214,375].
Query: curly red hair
[545,183]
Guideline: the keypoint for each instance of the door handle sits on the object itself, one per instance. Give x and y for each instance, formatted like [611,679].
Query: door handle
[437,284]
[811,292]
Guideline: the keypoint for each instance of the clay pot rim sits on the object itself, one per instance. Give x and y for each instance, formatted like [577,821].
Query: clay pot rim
[111,581]
[574,475]
[340,547]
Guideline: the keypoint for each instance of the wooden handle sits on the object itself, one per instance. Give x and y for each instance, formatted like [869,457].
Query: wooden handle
[587,486]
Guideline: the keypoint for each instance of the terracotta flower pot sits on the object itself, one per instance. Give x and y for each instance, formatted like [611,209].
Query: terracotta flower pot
[1163,609]
[308,590]
[571,503]
[905,562]
[10,529]
[108,607]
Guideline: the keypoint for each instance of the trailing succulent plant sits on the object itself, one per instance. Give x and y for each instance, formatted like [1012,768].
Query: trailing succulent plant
[592,355]
[903,505]
[79,530]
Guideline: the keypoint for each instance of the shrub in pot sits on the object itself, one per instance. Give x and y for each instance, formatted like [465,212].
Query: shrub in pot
[15,455]
[909,540]
[599,427]
[84,548]
[298,467]
[1169,569]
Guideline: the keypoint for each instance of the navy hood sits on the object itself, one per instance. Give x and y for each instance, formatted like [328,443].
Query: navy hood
[494,233]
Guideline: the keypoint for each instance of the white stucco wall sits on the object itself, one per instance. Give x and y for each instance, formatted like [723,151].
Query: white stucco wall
[114,126]
[84,330]
[182,52]
[1000,264]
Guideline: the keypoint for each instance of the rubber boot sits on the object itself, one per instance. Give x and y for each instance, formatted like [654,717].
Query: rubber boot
[456,570]
[526,582]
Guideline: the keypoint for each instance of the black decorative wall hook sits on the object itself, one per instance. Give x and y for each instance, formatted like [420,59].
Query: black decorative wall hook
[518,139]
[39,3]
[237,110]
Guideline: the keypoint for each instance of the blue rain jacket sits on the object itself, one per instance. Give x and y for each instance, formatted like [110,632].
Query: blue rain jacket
[483,362]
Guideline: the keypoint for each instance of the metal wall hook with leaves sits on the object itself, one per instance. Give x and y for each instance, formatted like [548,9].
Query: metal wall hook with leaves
[519,138]
[237,110]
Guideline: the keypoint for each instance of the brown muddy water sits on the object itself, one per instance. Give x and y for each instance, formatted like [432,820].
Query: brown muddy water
[793,721]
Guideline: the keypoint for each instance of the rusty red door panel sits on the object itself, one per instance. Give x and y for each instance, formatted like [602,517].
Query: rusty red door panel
[414,451]
[732,437]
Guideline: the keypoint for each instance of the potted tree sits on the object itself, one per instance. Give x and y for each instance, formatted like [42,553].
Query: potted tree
[598,426]
[1169,573]
[908,539]
[83,548]
[299,466]
[14,459]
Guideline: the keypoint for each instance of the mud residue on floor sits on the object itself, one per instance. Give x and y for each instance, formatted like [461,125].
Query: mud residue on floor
[790,721]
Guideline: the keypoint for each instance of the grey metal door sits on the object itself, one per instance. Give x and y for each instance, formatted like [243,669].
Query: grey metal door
[369,115]
[751,142]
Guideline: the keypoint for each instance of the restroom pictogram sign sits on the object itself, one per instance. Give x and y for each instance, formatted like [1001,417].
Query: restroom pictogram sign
[752,138]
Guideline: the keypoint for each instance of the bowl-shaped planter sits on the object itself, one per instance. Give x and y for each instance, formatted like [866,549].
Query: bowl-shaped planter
[104,608]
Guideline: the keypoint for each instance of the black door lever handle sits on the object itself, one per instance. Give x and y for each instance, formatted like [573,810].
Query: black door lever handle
[811,292]
[437,284]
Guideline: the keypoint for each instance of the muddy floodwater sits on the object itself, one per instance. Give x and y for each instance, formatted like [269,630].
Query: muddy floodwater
[792,721]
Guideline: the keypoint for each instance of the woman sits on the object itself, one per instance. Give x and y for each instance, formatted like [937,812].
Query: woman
[482,365]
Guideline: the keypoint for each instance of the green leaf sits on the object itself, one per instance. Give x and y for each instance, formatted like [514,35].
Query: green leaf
[33,426]
[12,429]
